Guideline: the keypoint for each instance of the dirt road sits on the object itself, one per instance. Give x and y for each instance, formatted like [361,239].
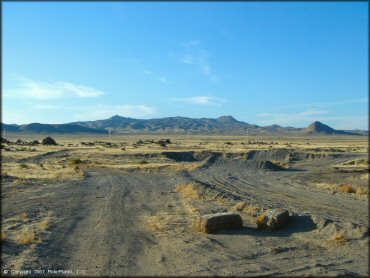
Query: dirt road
[103,225]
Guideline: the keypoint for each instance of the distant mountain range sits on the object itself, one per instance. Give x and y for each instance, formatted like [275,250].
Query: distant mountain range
[176,125]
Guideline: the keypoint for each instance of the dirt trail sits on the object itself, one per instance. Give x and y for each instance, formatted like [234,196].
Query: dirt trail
[101,225]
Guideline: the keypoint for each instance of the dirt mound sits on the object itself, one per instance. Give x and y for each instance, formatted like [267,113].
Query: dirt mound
[267,165]
[190,156]
[279,154]
[295,156]
[285,155]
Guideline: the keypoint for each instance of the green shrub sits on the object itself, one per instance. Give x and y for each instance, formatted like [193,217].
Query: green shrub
[75,161]
[23,166]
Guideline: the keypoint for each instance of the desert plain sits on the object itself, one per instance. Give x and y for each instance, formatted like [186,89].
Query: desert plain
[125,205]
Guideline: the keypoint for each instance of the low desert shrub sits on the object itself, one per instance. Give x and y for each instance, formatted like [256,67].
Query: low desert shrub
[339,238]
[346,189]
[23,166]
[44,224]
[189,190]
[362,191]
[261,221]
[75,161]
[26,236]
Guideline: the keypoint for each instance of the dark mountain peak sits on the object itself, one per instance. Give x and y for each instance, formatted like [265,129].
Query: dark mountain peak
[318,127]
[116,117]
[274,126]
[318,124]
[227,119]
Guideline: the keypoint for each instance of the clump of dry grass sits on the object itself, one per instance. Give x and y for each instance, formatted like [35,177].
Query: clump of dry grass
[75,161]
[245,208]
[26,236]
[281,164]
[189,190]
[44,224]
[3,236]
[156,223]
[362,191]
[239,206]
[345,188]
[251,210]
[357,162]
[261,221]
[339,238]
[24,216]
[365,177]
[49,172]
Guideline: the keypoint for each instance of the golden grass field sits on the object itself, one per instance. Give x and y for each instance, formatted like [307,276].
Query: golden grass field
[61,168]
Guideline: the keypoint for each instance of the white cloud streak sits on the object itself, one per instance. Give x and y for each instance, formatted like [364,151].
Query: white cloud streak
[322,104]
[200,60]
[46,106]
[197,57]
[57,90]
[200,100]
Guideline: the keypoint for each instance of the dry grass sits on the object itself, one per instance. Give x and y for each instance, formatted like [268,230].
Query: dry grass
[357,162]
[148,166]
[26,236]
[364,177]
[251,210]
[156,223]
[344,188]
[362,191]
[261,219]
[44,224]
[281,164]
[24,216]
[4,237]
[239,206]
[339,238]
[48,172]
[189,190]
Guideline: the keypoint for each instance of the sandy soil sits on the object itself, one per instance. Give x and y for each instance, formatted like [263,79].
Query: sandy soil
[130,222]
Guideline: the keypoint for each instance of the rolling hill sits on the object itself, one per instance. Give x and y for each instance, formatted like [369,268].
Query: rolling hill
[320,128]
[175,125]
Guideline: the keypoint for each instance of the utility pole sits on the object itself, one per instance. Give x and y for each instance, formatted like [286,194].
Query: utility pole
[109,133]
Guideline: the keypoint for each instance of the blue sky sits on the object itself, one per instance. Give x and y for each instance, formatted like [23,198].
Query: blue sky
[263,63]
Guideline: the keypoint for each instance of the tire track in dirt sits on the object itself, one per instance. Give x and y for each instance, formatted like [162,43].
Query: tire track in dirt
[262,186]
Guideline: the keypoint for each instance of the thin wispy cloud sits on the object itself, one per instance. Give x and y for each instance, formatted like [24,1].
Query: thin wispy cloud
[200,100]
[198,57]
[321,104]
[102,111]
[155,76]
[189,44]
[200,60]
[41,90]
[46,106]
